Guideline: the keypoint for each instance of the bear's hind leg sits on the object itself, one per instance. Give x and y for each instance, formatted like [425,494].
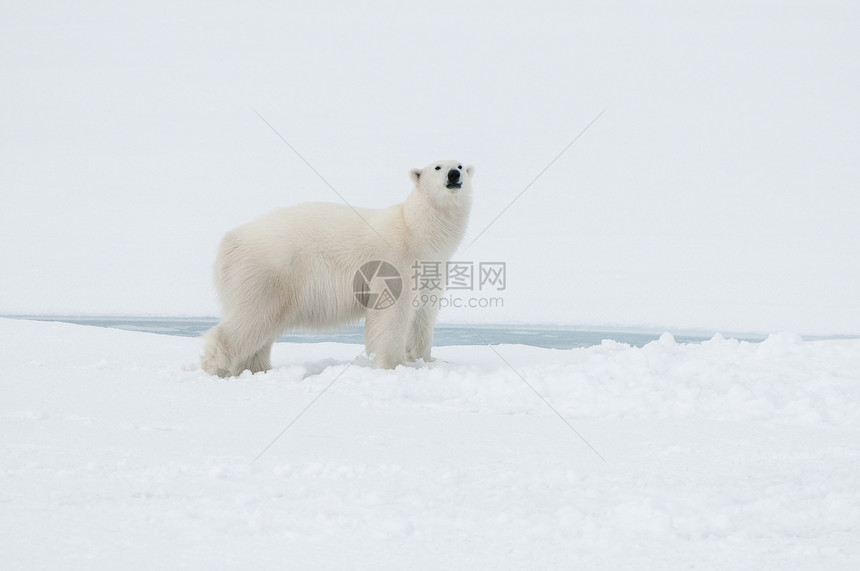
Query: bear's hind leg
[235,345]
[216,357]
[260,361]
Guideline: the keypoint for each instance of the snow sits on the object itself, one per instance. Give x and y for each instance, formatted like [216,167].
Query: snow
[118,452]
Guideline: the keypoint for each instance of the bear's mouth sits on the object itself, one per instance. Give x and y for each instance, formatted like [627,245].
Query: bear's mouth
[454,185]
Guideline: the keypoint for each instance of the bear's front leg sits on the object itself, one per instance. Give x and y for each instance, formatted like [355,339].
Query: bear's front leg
[385,333]
[421,334]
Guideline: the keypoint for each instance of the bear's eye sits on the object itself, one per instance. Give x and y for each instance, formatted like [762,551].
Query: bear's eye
[460,167]
[438,168]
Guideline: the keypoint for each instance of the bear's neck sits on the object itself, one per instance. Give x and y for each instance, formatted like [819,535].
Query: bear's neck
[436,230]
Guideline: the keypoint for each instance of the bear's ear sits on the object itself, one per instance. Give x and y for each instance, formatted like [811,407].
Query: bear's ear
[414,175]
[470,170]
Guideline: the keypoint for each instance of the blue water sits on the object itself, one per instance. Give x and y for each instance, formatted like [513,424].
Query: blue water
[551,337]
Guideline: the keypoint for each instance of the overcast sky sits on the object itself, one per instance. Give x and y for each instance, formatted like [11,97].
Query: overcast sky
[719,189]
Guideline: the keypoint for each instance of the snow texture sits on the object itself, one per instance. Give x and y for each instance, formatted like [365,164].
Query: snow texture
[117,452]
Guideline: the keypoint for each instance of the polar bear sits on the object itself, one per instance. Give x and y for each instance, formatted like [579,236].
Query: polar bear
[320,266]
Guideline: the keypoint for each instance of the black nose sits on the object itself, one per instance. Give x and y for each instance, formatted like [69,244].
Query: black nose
[453,175]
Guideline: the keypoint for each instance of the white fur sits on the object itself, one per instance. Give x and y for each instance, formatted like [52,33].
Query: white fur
[294,269]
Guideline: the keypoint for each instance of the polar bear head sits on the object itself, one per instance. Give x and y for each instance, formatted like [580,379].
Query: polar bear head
[443,180]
